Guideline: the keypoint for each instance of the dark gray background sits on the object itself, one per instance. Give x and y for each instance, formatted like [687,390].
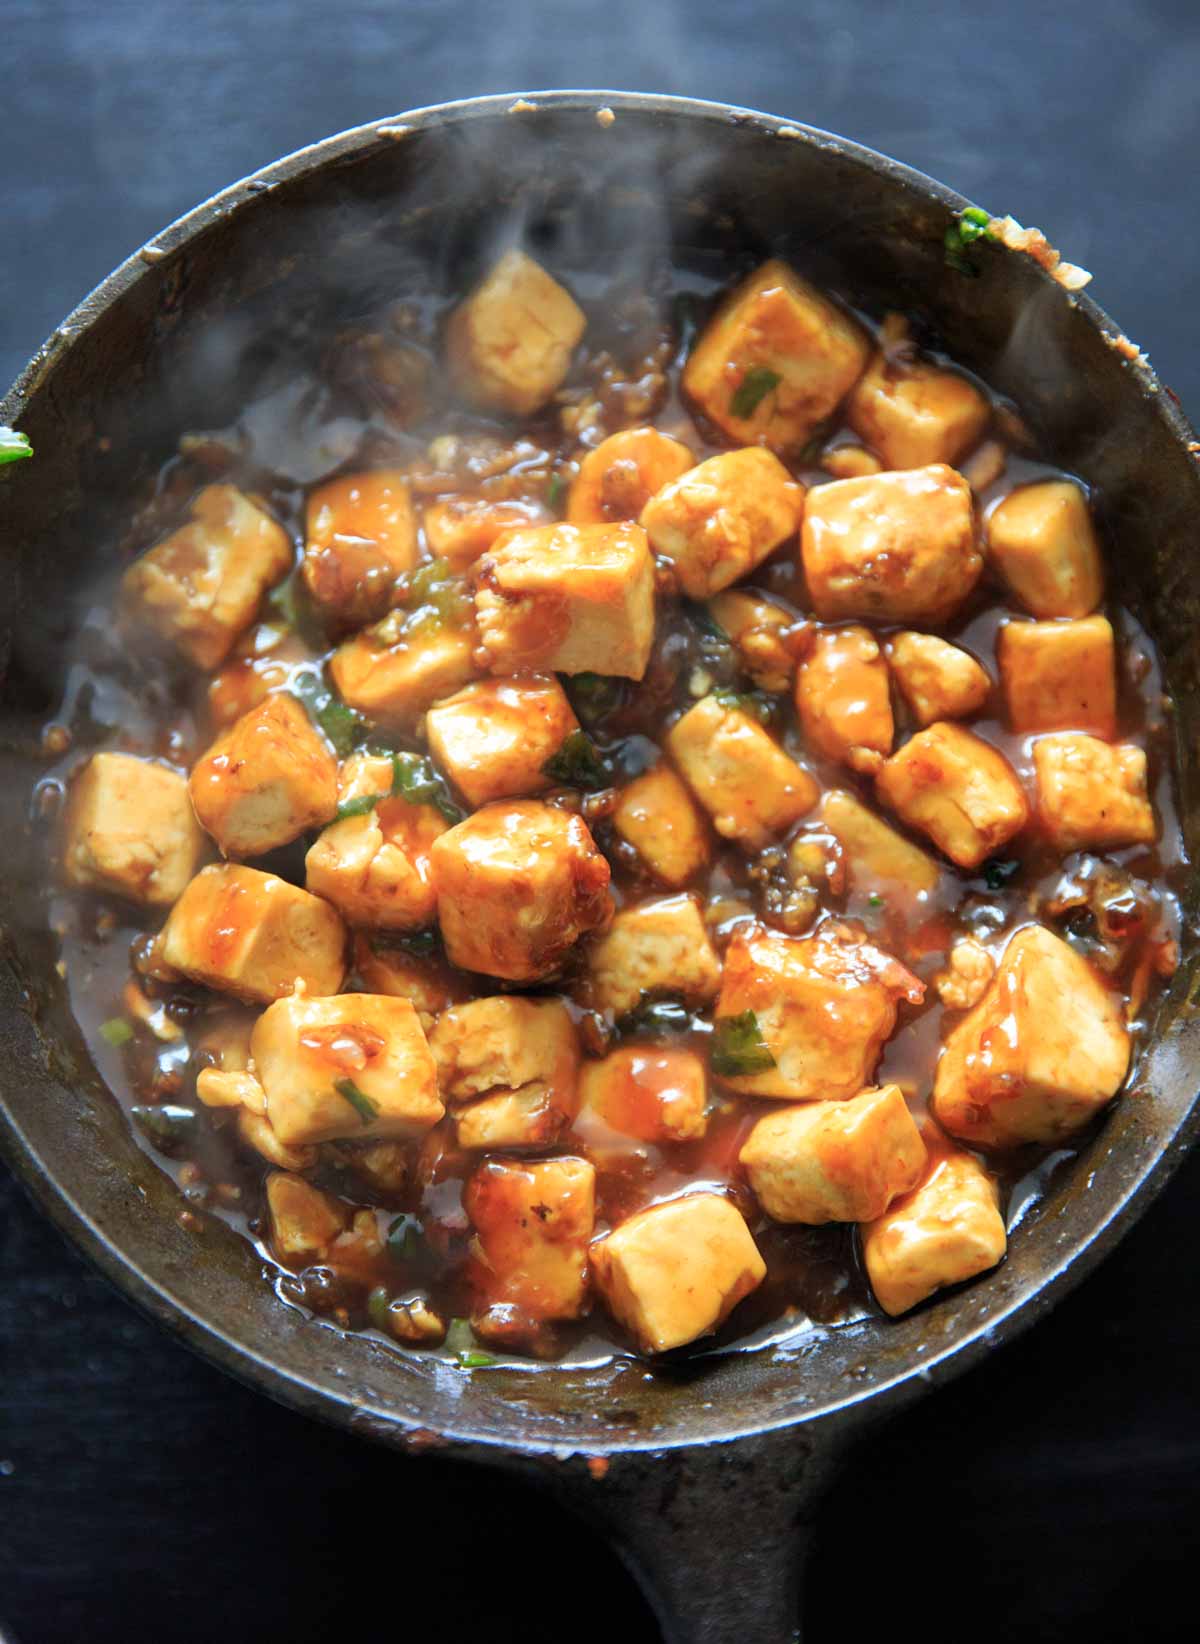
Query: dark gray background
[142,1495]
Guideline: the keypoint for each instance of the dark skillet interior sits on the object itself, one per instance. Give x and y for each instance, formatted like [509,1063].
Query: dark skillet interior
[331,234]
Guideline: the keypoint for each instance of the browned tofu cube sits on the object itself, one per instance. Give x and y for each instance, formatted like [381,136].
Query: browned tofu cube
[835,1161]
[494,737]
[914,413]
[891,547]
[949,1228]
[844,699]
[722,518]
[742,777]
[130,830]
[658,817]
[1059,676]
[267,779]
[360,534]
[1045,1048]
[509,343]
[568,599]
[303,1220]
[618,478]
[822,1007]
[533,1222]
[201,586]
[759,631]
[937,680]
[657,947]
[874,851]
[517,884]
[534,1116]
[503,1043]
[263,661]
[1091,795]
[951,785]
[849,462]
[253,935]
[775,360]
[460,529]
[1042,541]
[387,965]
[677,1270]
[354,1066]
[398,681]
[653,1092]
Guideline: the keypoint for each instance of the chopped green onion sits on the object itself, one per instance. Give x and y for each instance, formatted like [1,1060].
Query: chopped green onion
[415,779]
[378,1303]
[116,1032]
[998,872]
[168,1128]
[358,1099]
[361,806]
[556,491]
[460,1338]
[754,704]
[578,764]
[594,695]
[405,1240]
[875,900]
[738,1046]
[655,1019]
[702,618]
[972,224]
[754,387]
[14,446]
[475,1361]
[438,586]
[419,944]
[344,727]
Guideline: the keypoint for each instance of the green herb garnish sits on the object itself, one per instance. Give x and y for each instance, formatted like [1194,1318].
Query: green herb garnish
[406,1241]
[358,1099]
[998,872]
[365,803]
[556,491]
[14,446]
[594,695]
[578,764]
[344,727]
[754,704]
[738,1046]
[874,900]
[415,779]
[116,1032]
[378,1305]
[438,586]
[971,225]
[169,1128]
[475,1360]
[419,944]
[754,387]
[655,1019]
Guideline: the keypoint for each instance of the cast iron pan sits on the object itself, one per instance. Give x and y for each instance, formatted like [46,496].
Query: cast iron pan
[710,1467]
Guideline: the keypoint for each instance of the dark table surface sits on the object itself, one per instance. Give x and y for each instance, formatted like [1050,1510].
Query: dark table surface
[1055,1490]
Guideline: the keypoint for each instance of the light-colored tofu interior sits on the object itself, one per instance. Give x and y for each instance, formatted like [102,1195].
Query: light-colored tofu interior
[130,830]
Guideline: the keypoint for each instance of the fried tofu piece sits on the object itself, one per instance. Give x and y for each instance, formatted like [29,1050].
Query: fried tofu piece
[1044,1049]
[913,412]
[950,784]
[677,1270]
[376,867]
[775,360]
[503,1043]
[740,774]
[1042,541]
[263,661]
[509,343]
[618,478]
[385,965]
[656,1093]
[823,1006]
[303,1220]
[130,830]
[517,884]
[396,682]
[758,630]
[533,1117]
[850,462]
[844,699]
[360,534]
[968,973]
[835,1161]
[1059,676]
[252,935]
[949,1228]
[896,547]
[723,517]
[937,680]
[568,599]
[355,1066]
[657,816]
[461,529]
[1091,795]
[494,737]
[656,947]
[201,586]
[267,779]
[533,1223]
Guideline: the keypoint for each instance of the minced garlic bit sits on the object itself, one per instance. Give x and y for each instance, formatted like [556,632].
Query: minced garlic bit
[1035,244]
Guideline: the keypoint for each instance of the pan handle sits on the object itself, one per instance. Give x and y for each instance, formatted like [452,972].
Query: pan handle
[716,1535]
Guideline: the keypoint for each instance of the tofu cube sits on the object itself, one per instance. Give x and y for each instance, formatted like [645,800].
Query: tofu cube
[722,518]
[951,785]
[385,965]
[517,884]
[896,547]
[677,1270]
[1044,1049]
[460,529]
[492,739]
[1091,795]
[741,776]
[568,599]
[263,661]
[303,1221]
[835,1161]
[657,816]
[534,1116]
[533,1223]
[775,360]
[130,830]
[396,682]
[376,868]
[651,1092]
[875,853]
[267,779]
[618,478]
[201,586]
[503,1043]
[843,697]
[759,631]
[949,1228]
[1042,541]
[914,413]
[937,680]
[823,1006]
[1059,676]
[509,343]
[657,947]
[360,534]
[355,1066]
[254,936]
